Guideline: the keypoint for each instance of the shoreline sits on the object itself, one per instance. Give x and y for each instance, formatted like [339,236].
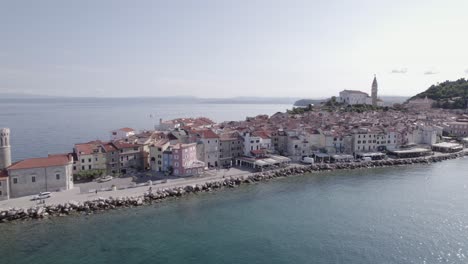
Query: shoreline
[101,204]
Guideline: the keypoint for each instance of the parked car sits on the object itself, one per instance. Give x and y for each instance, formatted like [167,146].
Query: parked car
[104,178]
[41,196]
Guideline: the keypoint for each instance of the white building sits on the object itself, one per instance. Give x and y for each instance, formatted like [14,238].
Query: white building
[353,97]
[424,134]
[372,140]
[122,133]
[31,176]
[251,143]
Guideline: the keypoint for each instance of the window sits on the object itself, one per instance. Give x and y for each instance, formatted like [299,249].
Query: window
[74,167]
[96,159]
[89,160]
[89,167]
[33,178]
[82,160]
[112,152]
[1,194]
[57,176]
[0,183]
[113,165]
[82,167]
[134,156]
[127,157]
[113,159]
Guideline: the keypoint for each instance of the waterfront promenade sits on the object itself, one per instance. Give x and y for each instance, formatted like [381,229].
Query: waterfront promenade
[76,195]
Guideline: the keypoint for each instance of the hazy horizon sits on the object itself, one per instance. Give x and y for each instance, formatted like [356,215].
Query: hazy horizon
[224,49]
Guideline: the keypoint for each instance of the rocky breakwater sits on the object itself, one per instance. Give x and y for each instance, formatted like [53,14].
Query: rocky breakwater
[102,204]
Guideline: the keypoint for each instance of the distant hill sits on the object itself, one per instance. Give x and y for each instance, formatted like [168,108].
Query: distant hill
[449,94]
[249,100]
[21,95]
[165,99]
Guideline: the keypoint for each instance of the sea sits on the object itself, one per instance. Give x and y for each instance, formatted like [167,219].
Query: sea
[408,214]
[413,214]
[42,126]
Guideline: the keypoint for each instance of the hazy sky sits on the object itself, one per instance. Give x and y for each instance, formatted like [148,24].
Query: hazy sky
[230,48]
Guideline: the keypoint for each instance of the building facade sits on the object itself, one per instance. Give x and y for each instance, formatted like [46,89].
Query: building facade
[156,154]
[50,174]
[184,160]
[89,156]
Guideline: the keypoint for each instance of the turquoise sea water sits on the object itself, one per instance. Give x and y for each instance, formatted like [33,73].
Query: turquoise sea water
[414,214]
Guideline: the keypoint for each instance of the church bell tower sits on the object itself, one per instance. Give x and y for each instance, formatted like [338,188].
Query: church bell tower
[374,91]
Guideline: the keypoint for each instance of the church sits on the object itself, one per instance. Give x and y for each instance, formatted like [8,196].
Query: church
[354,97]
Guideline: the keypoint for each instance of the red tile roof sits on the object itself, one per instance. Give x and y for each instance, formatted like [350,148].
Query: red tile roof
[262,134]
[109,147]
[127,129]
[50,161]
[121,145]
[3,174]
[208,133]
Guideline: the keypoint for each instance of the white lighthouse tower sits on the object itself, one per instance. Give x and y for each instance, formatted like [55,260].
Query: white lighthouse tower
[5,149]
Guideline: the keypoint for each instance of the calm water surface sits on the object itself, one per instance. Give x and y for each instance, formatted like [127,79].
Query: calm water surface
[416,214]
[44,126]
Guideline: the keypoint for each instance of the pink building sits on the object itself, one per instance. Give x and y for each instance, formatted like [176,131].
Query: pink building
[184,160]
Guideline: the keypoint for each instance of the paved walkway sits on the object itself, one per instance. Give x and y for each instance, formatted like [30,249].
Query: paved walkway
[77,195]
[80,196]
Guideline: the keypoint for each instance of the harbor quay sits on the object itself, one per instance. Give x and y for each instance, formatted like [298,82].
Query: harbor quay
[74,202]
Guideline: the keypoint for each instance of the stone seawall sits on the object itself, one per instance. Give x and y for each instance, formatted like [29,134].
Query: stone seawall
[102,204]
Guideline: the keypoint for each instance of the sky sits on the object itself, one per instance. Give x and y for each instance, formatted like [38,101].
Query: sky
[218,48]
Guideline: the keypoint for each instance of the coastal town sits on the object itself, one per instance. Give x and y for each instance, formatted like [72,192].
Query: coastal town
[198,148]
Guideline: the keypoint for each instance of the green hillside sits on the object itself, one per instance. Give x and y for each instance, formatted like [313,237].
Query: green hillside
[449,94]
